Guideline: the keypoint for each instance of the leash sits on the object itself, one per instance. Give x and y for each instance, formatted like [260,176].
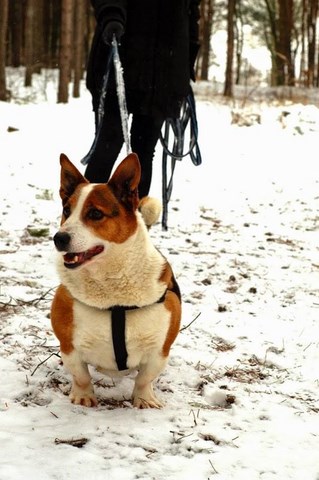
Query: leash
[120,88]
[178,126]
[113,58]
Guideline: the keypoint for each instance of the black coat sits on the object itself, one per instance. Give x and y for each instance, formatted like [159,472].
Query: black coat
[158,51]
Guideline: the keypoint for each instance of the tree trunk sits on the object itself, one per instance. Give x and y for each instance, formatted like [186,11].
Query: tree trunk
[285,63]
[311,35]
[16,32]
[28,33]
[302,79]
[228,87]
[40,28]
[65,50]
[3,44]
[239,29]
[272,42]
[78,43]
[205,31]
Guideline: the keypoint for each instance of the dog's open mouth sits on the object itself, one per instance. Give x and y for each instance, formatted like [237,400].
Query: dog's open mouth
[73,260]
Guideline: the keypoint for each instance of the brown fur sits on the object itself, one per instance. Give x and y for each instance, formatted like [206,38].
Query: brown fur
[62,318]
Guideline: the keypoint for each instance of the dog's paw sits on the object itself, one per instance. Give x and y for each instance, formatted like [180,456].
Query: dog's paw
[145,399]
[150,209]
[150,403]
[86,400]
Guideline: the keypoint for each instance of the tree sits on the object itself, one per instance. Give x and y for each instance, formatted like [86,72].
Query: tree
[66,38]
[79,47]
[228,87]
[286,71]
[28,35]
[15,33]
[239,35]
[205,31]
[311,18]
[3,44]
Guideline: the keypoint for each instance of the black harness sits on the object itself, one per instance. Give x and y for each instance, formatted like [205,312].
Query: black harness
[118,317]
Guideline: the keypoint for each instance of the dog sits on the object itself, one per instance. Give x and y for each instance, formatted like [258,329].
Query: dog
[118,307]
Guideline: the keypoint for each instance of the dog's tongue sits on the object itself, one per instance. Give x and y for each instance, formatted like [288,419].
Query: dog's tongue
[72,260]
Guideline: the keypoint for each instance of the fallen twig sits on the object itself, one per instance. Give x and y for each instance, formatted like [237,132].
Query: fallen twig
[74,442]
[44,361]
[187,326]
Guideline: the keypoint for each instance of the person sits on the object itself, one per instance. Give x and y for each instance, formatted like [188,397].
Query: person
[158,44]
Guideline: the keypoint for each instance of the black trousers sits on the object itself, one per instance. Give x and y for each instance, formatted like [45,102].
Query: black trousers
[145,132]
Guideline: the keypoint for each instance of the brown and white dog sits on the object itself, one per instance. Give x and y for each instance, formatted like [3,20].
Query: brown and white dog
[118,306]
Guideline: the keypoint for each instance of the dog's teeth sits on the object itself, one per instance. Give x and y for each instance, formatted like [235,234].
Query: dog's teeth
[75,259]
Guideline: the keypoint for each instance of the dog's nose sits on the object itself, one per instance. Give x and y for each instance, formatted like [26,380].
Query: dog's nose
[61,241]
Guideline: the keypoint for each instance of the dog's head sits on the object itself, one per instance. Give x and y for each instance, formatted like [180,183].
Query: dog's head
[96,215]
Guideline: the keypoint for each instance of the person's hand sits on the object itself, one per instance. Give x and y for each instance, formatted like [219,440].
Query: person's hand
[113,29]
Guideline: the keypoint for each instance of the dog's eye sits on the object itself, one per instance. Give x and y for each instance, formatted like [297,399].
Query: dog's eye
[66,211]
[95,214]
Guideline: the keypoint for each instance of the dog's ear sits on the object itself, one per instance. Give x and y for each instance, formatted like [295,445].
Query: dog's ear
[124,181]
[70,178]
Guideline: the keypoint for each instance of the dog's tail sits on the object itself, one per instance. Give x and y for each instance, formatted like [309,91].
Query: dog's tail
[150,209]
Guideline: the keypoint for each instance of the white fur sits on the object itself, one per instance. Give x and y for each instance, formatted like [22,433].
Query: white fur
[145,333]
[150,209]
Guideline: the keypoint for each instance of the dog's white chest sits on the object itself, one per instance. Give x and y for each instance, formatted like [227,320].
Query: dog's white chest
[145,332]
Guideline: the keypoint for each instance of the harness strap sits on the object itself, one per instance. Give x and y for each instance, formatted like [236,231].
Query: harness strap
[118,336]
[118,318]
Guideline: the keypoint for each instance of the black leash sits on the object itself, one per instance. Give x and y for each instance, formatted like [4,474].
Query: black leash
[178,126]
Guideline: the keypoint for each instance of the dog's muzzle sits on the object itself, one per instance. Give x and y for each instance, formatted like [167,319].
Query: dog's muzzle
[62,241]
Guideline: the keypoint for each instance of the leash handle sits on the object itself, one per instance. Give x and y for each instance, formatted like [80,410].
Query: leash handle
[120,88]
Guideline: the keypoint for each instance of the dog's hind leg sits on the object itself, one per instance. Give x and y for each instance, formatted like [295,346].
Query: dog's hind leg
[82,390]
[143,394]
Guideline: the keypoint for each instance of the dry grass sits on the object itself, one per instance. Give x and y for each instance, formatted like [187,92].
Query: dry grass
[222,345]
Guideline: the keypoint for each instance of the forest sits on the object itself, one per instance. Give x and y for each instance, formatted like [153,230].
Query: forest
[56,34]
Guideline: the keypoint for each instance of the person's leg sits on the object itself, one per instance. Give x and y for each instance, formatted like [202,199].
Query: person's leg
[109,143]
[145,132]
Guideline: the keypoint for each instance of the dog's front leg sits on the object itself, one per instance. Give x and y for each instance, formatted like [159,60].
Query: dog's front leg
[143,394]
[82,390]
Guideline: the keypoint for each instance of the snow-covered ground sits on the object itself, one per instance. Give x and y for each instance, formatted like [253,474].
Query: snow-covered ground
[241,387]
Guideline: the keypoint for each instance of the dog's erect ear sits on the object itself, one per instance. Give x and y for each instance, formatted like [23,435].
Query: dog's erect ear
[70,178]
[124,181]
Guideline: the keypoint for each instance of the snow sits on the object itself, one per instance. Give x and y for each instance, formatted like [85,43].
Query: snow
[241,387]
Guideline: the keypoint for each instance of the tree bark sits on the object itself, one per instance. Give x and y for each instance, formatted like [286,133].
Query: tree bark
[16,32]
[40,27]
[228,87]
[303,67]
[3,44]
[239,30]
[66,38]
[312,40]
[78,43]
[285,63]
[28,35]
[205,31]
